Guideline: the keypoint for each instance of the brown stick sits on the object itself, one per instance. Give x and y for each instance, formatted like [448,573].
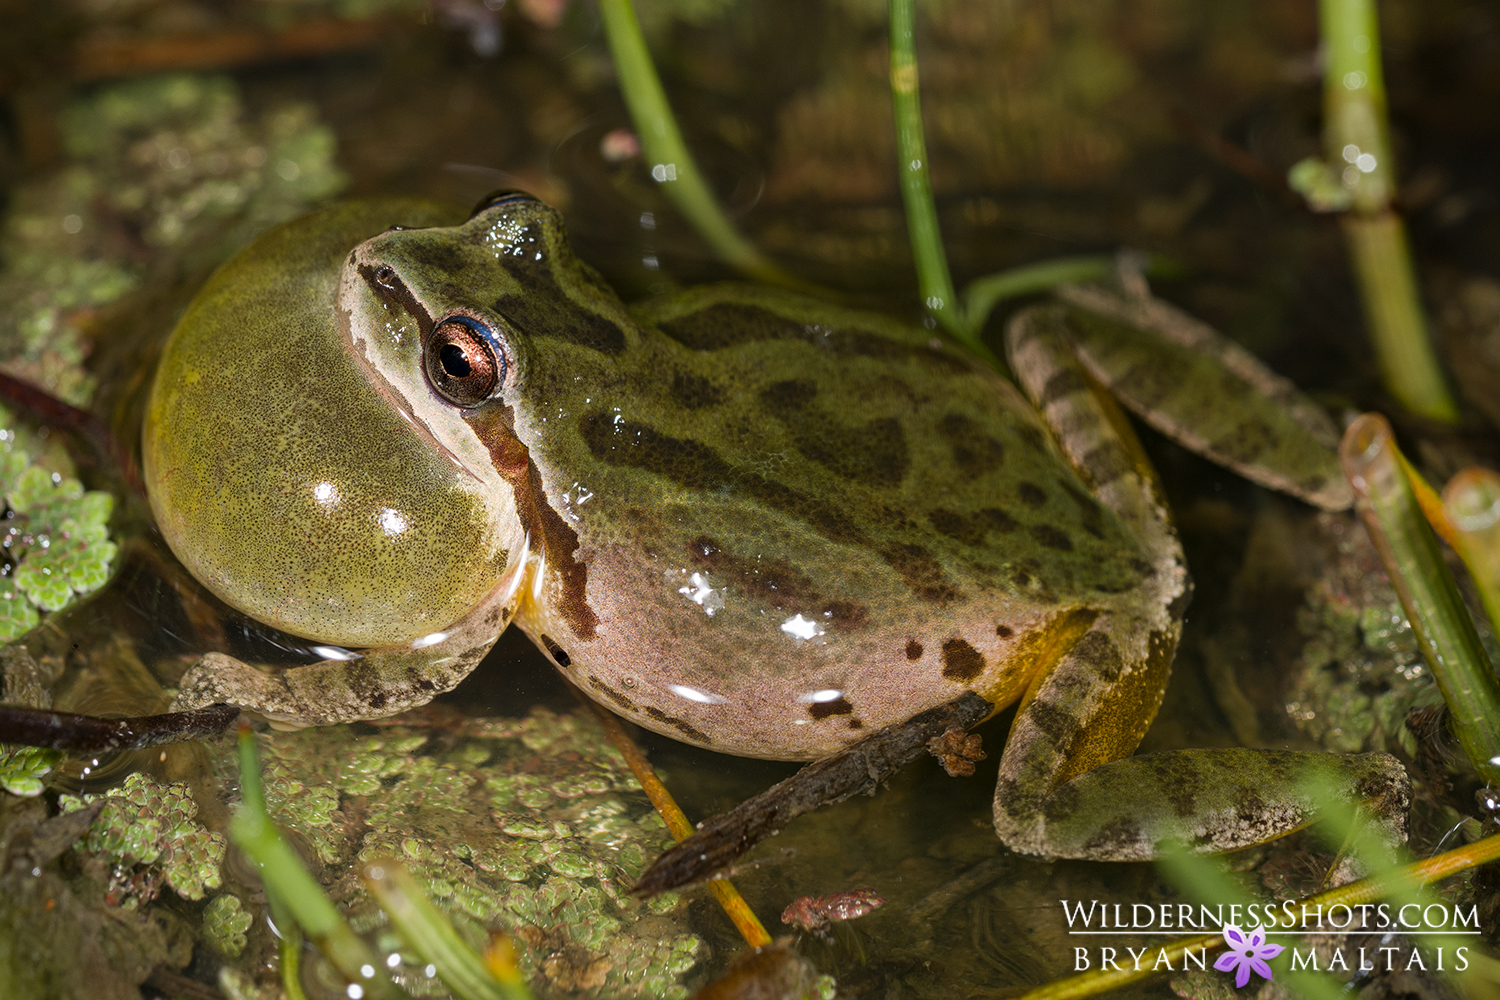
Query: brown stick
[35,727]
[101,58]
[861,768]
[735,907]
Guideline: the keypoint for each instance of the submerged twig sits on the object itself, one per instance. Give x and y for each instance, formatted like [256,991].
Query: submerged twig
[1408,548]
[735,907]
[90,428]
[861,768]
[35,727]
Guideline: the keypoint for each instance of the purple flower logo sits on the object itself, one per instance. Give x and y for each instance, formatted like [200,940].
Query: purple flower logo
[1246,952]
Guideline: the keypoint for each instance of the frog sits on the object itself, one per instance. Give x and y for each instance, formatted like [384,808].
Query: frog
[752,520]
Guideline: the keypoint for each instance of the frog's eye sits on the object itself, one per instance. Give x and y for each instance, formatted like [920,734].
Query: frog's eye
[463,362]
[495,198]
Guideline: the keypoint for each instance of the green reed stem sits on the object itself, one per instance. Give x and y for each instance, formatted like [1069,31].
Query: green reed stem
[672,166]
[1471,501]
[434,938]
[983,294]
[1203,879]
[933,279]
[1428,593]
[1357,145]
[284,876]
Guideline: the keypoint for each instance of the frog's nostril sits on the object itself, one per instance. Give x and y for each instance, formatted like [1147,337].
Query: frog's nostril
[385,277]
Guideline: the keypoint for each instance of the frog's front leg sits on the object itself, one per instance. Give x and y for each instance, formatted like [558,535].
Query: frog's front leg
[1068,787]
[377,683]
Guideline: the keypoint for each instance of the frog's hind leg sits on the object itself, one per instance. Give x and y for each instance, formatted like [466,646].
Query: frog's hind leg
[1068,787]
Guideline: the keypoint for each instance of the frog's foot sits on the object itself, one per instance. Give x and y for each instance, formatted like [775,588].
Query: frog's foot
[1066,790]
[1068,787]
[380,683]
[1206,392]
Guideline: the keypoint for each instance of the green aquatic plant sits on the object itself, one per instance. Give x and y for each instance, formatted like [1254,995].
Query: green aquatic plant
[149,835]
[173,158]
[1409,549]
[532,826]
[1357,177]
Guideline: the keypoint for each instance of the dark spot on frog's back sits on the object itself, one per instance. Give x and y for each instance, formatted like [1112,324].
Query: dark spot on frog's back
[790,397]
[696,465]
[611,693]
[1031,494]
[921,571]
[729,324]
[823,709]
[558,653]
[694,392]
[974,452]
[544,310]
[874,454]
[686,729]
[961,661]
[913,649]
[972,529]
[775,582]
[1053,538]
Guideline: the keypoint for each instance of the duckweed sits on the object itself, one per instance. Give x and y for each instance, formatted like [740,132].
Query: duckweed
[149,834]
[533,826]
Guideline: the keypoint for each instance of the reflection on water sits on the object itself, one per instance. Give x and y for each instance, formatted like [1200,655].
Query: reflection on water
[1053,129]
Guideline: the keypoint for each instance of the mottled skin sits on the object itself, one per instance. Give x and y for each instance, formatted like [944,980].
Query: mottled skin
[750,520]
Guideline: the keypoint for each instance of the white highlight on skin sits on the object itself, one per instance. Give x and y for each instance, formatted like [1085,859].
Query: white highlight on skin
[428,640]
[819,697]
[326,494]
[336,653]
[392,521]
[703,594]
[693,694]
[801,628]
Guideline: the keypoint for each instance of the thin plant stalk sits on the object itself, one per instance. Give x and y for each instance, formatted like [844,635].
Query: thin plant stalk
[672,166]
[1343,827]
[1471,501]
[933,279]
[735,907]
[1357,143]
[1408,548]
[1202,878]
[983,294]
[283,875]
[1099,981]
[289,947]
[433,937]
